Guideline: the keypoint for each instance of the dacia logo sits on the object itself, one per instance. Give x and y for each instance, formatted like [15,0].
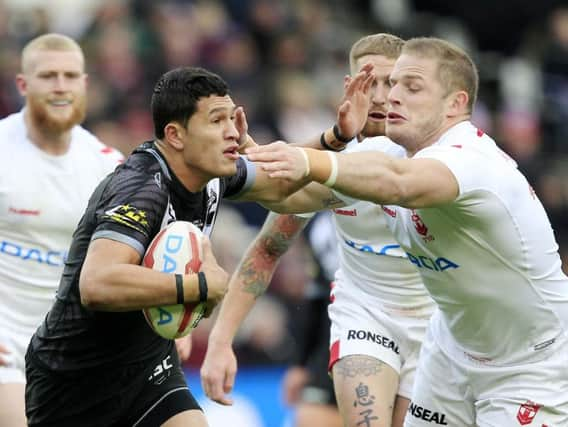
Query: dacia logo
[437,264]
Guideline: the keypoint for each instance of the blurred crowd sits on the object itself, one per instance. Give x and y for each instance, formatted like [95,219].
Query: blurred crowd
[285,61]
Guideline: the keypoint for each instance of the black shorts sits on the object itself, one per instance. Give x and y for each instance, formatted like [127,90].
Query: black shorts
[141,395]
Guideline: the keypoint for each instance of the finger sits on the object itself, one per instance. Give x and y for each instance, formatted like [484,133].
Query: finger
[205,382]
[206,250]
[241,124]
[267,148]
[277,166]
[368,82]
[216,390]
[208,309]
[281,174]
[265,156]
[367,67]
[229,381]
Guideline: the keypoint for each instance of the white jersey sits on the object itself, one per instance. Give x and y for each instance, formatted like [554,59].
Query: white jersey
[489,259]
[42,198]
[370,256]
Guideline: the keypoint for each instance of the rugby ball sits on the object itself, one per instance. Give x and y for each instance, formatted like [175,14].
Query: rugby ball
[175,249]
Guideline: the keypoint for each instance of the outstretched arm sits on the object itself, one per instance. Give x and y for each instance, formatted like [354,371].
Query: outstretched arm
[370,175]
[249,281]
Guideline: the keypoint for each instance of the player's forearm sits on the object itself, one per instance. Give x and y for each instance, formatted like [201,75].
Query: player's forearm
[254,273]
[126,287]
[324,141]
[371,176]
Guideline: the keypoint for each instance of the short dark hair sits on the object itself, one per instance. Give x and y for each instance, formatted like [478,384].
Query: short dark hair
[177,92]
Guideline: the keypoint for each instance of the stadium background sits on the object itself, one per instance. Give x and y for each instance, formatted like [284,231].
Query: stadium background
[284,61]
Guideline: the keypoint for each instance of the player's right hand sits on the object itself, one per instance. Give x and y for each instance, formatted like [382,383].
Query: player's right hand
[217,278]
[218,372]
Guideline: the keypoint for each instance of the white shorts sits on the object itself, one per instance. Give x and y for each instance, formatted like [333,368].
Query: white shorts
[463,392]
[361,325]
[17,344]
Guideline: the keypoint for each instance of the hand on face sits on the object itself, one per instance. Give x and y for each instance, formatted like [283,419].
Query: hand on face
[354,107]
[280,160]
[245,140]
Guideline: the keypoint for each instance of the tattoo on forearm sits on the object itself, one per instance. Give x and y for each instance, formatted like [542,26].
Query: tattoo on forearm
[332,201]
[278,233]
[358,365]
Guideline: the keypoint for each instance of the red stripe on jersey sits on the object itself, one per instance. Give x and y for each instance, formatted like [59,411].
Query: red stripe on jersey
[333,355]
[480,133]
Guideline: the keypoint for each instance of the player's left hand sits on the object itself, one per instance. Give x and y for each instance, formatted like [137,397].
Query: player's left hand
[245,140]
[280,160]
[183,347]
[353,110]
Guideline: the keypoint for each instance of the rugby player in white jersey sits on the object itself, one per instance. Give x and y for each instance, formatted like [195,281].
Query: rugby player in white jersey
[49,169]
[496,353]
[380,308]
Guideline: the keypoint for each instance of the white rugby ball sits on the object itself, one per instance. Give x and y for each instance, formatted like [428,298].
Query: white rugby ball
[175,249]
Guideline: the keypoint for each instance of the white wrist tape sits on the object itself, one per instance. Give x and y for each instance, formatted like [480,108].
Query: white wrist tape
[330,182]
[306,159]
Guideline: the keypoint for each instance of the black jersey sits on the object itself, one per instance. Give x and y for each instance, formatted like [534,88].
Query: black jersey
[130,205]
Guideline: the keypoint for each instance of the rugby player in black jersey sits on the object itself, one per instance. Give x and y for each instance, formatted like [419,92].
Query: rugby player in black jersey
[94,361]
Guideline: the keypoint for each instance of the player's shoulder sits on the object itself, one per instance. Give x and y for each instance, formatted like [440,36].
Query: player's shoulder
[467,136]
[94,147]
[12,127]
[144,167]
[377,143]
[466,141]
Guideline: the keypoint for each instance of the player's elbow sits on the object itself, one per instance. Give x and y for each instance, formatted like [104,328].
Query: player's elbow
[91,293]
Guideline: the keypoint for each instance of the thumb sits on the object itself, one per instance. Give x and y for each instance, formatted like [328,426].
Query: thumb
[229,382]
[344,109]
[207,256]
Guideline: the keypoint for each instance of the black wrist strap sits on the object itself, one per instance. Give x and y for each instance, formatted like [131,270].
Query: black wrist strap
[179,288]
[338,136]
[202,286]
[324,144]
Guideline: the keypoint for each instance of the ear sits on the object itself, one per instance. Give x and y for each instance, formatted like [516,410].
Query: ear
[173,135]
[457,104]
[21,84]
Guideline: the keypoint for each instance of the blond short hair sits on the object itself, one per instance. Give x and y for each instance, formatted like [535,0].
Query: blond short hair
[456,69]
[387,45]
[51,41]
